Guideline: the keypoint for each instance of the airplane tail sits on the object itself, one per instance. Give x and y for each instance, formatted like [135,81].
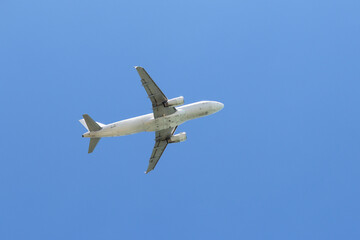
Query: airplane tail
[93,143]
[92,126]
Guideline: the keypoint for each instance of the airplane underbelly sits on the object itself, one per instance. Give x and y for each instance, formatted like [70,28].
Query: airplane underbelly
[164,122]
[125,127]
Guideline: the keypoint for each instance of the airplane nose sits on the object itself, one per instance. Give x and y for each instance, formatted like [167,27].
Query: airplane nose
[221,105]
[217,106]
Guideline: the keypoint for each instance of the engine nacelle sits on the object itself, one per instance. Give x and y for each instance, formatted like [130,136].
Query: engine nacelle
[174,102]
[177,138]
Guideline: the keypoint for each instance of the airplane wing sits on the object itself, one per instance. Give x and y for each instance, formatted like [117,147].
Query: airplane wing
[160,145]
[156,96]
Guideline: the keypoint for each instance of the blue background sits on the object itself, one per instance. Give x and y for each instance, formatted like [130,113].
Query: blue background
[280,161]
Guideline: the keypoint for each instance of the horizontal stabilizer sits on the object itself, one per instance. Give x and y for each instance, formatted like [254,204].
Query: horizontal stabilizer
[82,121]
[91,124]
[93,143]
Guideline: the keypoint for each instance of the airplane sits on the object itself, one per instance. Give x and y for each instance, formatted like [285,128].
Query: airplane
[164,120]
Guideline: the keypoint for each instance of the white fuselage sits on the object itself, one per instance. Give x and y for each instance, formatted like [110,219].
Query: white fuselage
[147,123]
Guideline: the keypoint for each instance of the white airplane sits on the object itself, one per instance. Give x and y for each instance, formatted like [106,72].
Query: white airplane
[163,121]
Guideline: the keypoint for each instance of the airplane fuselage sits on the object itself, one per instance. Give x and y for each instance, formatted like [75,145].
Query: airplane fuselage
[147,123]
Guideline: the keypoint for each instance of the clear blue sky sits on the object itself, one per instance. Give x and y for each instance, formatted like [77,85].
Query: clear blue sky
[280,161]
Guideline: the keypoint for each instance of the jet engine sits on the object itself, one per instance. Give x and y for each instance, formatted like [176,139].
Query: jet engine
[174,102]
[177,138]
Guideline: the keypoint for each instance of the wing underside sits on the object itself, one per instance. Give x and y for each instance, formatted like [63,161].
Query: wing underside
[161,141]
[158,99]
[156,96]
